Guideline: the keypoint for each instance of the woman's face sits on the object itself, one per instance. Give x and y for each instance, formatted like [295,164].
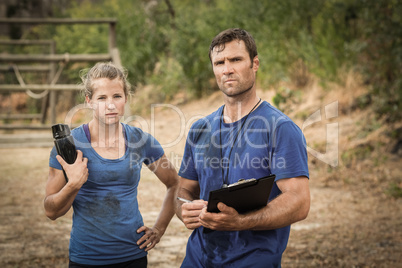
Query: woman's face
[108,100]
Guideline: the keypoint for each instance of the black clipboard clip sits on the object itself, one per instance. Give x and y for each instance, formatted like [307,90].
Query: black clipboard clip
[242,183]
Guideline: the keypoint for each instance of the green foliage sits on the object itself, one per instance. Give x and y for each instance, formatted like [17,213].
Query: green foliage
[359,153]
[174,36]
[283,94]
[394,190]
[189,45]
[141,37]
[381,30]
[169,76]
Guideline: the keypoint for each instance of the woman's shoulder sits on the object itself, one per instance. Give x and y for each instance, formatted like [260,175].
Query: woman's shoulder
[132,129]
[138,138]
[77,131]
[135,132]
[80,137]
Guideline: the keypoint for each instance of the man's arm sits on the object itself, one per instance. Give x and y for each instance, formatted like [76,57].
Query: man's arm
[292,205]
[189,212]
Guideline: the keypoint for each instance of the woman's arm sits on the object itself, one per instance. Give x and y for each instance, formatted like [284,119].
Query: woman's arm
[167,174]
[59,194]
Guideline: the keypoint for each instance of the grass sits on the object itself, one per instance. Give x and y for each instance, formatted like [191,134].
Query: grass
[394,190]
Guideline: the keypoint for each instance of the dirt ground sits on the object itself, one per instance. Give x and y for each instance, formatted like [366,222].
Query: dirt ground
[353,220]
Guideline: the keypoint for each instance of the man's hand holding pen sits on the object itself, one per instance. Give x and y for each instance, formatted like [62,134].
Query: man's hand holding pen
[190,211]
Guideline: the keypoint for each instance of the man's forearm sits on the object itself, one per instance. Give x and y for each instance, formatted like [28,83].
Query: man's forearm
[284,210]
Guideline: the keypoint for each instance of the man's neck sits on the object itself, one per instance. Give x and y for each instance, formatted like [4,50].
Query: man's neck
[235,109]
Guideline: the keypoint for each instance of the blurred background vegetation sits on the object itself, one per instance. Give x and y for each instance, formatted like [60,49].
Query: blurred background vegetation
[165,42]
[301,44]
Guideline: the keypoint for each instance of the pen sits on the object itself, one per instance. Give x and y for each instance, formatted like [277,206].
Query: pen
[184,200]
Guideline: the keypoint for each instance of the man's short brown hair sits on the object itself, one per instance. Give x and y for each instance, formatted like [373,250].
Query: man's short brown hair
[234,34]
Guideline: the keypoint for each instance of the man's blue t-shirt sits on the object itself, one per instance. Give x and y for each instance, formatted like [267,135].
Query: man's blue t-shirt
[106,215]
[268,142]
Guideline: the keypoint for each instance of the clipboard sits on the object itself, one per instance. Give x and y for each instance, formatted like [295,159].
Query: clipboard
[243,196]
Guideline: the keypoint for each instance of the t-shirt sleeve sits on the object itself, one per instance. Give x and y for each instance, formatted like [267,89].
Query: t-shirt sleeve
[187,167]
[289,152]
[153,150]
[52,159]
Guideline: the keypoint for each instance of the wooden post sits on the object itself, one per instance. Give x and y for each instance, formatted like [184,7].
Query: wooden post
[52,100]
[112,36]
[47,99]
[53,94]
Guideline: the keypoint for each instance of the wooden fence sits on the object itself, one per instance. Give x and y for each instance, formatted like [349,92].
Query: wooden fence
[47,63]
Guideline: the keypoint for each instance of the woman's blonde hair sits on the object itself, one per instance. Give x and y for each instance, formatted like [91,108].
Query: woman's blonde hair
[103,70]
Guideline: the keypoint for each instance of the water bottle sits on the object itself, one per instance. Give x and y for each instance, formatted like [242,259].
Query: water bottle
[64,144]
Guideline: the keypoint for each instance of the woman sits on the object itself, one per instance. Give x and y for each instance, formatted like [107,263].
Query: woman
[108,229]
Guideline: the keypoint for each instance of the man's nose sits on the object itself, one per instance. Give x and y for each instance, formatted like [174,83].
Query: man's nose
[227,68]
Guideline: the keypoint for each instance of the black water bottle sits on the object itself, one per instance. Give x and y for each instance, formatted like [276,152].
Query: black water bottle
[64,143]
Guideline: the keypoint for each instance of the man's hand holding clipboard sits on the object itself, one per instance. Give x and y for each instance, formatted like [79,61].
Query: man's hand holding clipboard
[243,196]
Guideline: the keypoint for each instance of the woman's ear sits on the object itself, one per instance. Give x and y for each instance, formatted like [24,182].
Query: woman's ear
[88,102]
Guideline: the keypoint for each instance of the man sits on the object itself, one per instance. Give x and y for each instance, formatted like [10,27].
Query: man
[245,138]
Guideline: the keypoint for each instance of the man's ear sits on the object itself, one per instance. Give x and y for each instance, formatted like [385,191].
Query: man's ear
[256,63]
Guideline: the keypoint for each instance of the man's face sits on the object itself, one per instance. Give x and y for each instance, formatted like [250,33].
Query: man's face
[233,69]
